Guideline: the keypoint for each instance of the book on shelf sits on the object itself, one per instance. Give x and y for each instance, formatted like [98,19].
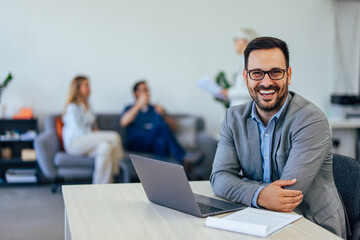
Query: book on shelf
[21,171]
[252,221]
[21,176]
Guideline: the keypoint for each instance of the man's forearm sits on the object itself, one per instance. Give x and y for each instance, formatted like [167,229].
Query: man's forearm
[171,122]
[231,187]
[130,115]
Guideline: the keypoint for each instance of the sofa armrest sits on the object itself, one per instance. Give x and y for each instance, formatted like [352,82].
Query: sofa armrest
[207,145]
[46,145]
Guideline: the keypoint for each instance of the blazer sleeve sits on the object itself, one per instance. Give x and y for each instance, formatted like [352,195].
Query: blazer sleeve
[225,178]
[310,151]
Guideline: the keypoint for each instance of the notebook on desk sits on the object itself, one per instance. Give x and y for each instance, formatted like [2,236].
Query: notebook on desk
[166,184]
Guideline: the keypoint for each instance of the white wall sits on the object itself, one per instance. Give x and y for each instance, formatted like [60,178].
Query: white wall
[347,54]
[170,43]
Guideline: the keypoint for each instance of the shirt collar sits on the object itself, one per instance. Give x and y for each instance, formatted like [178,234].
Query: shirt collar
[144,109]
[255,116]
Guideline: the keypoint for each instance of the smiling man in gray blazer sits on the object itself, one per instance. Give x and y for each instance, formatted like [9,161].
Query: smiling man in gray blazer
[275,152]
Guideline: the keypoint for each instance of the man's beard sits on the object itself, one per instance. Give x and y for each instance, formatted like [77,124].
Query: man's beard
[278,102]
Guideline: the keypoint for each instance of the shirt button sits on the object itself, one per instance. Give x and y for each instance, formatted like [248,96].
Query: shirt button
[266,134]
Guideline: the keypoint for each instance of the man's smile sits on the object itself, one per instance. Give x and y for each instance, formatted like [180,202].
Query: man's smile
[267,95]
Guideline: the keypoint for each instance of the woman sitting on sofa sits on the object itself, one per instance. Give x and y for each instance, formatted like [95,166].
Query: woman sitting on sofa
[81,136]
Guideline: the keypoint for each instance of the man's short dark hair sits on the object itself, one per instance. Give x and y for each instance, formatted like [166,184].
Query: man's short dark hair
[137,84]
[266,43]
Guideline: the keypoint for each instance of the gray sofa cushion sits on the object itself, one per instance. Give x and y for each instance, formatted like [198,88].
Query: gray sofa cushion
[63,159]
[76,173]
[110,122]
[186,132]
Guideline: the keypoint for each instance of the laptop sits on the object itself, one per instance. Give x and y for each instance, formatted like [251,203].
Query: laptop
[166,184]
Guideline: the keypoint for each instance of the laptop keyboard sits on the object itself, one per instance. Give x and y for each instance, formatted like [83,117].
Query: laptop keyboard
[204,209]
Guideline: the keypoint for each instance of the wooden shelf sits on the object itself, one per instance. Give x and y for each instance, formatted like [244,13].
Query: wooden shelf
[6,184]
[14,161]
[16,141]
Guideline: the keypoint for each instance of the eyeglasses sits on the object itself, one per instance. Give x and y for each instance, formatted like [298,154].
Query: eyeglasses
[143,90]
[274,74]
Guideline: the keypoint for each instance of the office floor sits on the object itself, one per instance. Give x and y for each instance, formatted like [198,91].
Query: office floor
[31,213]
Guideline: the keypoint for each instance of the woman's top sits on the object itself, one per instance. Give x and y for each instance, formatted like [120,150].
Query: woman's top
[238,93]
[77,122]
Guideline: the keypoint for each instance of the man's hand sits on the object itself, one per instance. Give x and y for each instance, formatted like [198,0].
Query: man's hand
[143,100]
[224,93]
[159,109]
[274,197]
[168,119]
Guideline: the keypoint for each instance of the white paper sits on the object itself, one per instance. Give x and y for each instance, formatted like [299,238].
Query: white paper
[209,86]
[234,226]
[253,221]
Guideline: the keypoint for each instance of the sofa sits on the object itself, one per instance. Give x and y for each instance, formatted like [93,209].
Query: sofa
[59,166]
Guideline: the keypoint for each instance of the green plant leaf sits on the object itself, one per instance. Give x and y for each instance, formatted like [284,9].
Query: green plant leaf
[6,82]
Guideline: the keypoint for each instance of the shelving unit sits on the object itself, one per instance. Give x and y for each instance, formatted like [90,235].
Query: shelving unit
[15,162]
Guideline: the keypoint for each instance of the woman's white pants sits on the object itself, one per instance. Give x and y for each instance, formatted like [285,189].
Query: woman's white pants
[105,147]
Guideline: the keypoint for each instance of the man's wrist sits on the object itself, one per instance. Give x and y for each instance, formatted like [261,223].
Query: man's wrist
[254,201]
[138,106]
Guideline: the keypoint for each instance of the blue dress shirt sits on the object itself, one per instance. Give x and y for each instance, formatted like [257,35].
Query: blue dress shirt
[266,137]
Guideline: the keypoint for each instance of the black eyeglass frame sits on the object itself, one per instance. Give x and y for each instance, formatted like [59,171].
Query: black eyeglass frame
[267,72]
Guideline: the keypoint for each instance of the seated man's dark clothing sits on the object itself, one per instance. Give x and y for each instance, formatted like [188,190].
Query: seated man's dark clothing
[150,133]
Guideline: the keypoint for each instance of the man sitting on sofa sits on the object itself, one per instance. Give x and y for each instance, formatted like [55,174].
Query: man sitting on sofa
[149,129]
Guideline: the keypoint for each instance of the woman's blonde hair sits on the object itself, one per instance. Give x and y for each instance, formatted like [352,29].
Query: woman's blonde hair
[74,92]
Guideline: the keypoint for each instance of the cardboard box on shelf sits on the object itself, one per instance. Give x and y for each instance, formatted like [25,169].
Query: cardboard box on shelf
[28,155]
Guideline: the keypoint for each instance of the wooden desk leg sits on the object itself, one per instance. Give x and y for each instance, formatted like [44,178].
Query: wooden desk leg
[67,228]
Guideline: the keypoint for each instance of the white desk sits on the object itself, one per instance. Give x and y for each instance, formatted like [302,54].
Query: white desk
[347,132]
[122,211]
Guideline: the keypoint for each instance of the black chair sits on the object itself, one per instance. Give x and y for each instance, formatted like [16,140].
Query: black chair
[346,172]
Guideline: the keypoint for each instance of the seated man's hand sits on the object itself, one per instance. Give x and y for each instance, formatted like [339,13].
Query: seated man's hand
[274,197]
[159,109]
[143,100]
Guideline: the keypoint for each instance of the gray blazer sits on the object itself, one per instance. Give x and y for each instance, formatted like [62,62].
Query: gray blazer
[301,149]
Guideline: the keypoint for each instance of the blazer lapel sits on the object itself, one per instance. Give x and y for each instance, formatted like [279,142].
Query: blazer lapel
[275,145]
[276,141]
[254,144]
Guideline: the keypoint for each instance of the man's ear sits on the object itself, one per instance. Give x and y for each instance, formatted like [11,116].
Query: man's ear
[289,72]
[244,76]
